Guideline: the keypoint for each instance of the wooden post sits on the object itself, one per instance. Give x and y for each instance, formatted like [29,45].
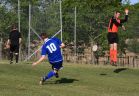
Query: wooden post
[1,49]
[133,62]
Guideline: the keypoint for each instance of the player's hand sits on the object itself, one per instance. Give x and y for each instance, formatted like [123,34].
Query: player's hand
[126,11]
[123,27]
[62,45]
[34,64]
[7,46]
[40,60]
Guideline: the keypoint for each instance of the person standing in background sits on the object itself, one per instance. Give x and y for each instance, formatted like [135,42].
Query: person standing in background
[13,43]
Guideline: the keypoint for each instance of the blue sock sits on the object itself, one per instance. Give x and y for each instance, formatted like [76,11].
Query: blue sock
[49,75]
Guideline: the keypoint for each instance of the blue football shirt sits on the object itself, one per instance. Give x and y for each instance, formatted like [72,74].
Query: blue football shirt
[51,47]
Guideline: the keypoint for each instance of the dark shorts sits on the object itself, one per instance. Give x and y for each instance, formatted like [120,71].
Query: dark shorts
[57,65]
[112,38]
[14,48]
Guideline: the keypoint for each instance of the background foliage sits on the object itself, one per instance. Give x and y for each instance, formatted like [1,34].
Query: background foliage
[92,20]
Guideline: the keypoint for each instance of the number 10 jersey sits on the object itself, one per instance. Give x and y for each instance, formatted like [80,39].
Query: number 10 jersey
[51,47]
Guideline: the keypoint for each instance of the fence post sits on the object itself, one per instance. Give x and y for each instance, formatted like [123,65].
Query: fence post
[128,61]
[133,62]
[1,49]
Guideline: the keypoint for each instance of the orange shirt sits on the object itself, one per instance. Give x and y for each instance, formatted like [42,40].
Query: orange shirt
[113,27]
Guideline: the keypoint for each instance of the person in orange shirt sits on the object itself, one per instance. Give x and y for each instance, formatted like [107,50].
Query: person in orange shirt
[112,36]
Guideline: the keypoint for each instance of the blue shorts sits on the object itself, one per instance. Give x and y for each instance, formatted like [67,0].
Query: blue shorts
[57,65]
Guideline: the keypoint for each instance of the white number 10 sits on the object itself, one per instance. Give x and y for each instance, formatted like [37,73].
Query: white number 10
[51,47]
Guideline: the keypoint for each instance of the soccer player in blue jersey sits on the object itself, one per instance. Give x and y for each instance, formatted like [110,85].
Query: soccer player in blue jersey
[51,48]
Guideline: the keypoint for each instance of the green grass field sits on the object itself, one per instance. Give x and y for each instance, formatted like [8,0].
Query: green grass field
[75,80]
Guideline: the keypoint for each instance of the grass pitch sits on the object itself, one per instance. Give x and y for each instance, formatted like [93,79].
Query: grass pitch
[75,80]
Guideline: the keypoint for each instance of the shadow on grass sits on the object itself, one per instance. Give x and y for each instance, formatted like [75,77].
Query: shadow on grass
[62,81]
[65,80]
[103,74]
[119,70]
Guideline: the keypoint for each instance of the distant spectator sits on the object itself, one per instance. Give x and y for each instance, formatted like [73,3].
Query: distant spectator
[13,43]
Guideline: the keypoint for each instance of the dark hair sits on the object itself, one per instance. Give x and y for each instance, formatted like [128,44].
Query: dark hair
[117,12]
[14,26]
[43,35]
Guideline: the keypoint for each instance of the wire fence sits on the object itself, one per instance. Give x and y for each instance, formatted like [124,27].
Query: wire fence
[128,61]
[90,57]
[80,33]
[84,55]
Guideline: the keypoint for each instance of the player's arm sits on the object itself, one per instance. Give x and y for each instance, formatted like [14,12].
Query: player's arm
[20,40]
[119,24]
[7,45]
[126,17]
[114,20]
[43,57]
[8,42]
[124,20]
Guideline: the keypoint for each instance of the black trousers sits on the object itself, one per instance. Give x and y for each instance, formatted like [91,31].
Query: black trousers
[14,49]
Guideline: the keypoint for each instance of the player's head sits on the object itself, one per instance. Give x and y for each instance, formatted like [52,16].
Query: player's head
[43,36]
[14,27]
[117,14]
